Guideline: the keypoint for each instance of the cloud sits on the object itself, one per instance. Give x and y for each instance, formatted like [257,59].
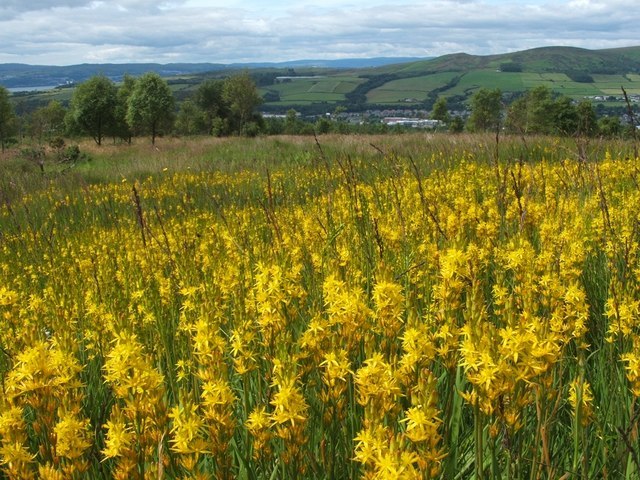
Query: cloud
[12,8]
[76,31]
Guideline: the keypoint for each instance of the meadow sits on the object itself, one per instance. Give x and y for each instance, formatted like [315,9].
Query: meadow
[417,306]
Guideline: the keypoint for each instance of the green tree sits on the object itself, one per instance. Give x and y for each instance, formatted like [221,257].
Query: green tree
[531,113]
[191,120]
[440,111]
[7,118]
[291,122]
[151,106]
[610,126]
[564,116]
[209,98]
[93,106]
[539,104]
[324,125]
[241,94]
[587,119]
[516,121]
[48,122]
[121,128]
[456,125]
[486,110]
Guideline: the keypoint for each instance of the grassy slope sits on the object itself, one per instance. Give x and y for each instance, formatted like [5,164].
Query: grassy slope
[547,66]
[541,66]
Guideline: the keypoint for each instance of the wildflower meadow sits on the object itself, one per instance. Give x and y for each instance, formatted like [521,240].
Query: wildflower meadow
[409,307]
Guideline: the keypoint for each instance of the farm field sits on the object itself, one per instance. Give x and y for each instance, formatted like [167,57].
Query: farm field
[416,88]
[557,82]
[332,88]
[329,89]
[390,307]
[610,84]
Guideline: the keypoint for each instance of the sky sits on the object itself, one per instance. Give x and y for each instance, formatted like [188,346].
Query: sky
[66,32]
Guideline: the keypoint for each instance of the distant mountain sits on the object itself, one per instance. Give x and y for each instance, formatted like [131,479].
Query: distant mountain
[345,63]
[16,75]
[536,60]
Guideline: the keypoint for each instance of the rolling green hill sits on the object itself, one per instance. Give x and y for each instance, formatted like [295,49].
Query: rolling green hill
[574,72]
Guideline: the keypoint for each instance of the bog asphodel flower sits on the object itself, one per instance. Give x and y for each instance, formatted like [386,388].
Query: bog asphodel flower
[377,387]
[73,436]
[186,432]
[581,400]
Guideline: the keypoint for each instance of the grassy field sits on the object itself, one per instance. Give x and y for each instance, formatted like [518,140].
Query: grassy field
[416,87]
[400,91]
[329,89]
[394,307]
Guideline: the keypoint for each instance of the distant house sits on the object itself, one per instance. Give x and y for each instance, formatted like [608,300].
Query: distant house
[411,122]
[290,78]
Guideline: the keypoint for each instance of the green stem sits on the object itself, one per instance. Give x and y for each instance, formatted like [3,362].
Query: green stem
[477,417]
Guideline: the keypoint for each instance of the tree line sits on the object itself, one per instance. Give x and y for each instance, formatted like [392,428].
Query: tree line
[147,106]
[536,112]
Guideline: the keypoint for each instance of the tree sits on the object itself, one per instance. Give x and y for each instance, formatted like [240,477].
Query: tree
[323,125]
[121,128]
[440,111]
[209,98]
[511,67]
[151,106]
[93,106]
[610,126]
[486,110]
[291,122]
[531,112]
[539,104]
[191,119]
[456,125]
[242,96]
[7,118]
[564,116]
[587,119]
[48,122]
[516,120]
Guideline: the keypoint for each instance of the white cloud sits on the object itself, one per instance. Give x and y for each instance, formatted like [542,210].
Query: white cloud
[76,31]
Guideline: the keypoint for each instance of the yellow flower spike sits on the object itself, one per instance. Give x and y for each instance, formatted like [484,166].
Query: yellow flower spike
[186,432]
[73,436]
[289,405]
[581,400]
[389,302]
[49,472]
[376,385]
[7,297]
[17,458]
[421,423]
[336,367]
[11,421]
[259,426]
